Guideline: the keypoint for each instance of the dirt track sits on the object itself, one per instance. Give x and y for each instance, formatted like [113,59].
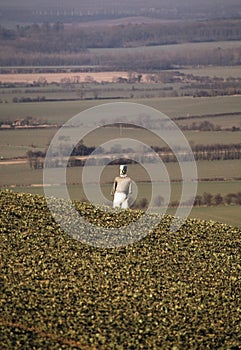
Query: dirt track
[13,161]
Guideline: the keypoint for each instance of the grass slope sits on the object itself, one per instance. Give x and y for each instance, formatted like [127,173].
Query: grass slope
[171,290]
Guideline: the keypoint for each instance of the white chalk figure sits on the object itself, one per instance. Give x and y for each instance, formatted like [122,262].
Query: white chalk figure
[121,189]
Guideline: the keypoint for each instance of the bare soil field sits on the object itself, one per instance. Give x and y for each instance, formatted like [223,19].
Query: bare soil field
[14,161]
[58,77]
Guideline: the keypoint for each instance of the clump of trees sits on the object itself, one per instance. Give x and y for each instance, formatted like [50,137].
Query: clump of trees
[202,152]
[24,99]
[205,200]
[209,199]
[202,126]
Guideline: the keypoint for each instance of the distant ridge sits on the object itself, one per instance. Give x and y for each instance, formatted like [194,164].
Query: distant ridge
[74,10]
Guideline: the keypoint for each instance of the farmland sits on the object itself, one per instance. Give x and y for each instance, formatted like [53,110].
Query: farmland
[31,180]
[223,72]
[15,143]
[170,289]
[222,213]
[60,111]
[221,110]
[58,77]
[228,169]
[75,272]
[163,49]
[58,93]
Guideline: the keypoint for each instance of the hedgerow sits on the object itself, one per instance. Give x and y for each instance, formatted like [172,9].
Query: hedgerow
[170,290]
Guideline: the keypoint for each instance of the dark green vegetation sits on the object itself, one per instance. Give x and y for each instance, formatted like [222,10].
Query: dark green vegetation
[171,290]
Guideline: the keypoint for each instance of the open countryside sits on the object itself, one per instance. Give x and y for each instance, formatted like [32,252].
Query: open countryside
[95,277]
[61,77]
[17,142]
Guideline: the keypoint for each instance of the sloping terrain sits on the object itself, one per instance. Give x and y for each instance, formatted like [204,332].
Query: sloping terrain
[171,290]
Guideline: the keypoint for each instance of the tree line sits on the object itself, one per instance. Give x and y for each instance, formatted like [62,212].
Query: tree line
[56,37]
[206,125]
[205,200]
[143,61]
[81,153]
[202,152]
[208,199]
[56,44]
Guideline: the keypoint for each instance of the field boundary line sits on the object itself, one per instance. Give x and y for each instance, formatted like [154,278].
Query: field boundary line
[200,116]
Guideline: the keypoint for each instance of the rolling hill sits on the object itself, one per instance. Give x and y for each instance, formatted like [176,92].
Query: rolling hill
[170,290]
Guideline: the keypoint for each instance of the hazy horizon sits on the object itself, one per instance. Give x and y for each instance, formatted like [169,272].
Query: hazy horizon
[182,9]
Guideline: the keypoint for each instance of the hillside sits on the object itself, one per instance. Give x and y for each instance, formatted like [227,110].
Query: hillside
[171,290]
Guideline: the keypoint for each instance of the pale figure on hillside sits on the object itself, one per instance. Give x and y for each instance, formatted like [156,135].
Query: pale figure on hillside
[121,189]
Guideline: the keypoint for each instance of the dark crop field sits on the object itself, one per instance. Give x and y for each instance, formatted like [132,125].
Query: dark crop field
[170,290]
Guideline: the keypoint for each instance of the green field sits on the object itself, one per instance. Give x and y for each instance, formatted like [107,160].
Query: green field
[226,214]
[15,143]
[176,48]
[144,189]
[230,215]
[86,91]
[212,137]
[24,179]
[222,121]
[60,112]
[23,175]
[222,72]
